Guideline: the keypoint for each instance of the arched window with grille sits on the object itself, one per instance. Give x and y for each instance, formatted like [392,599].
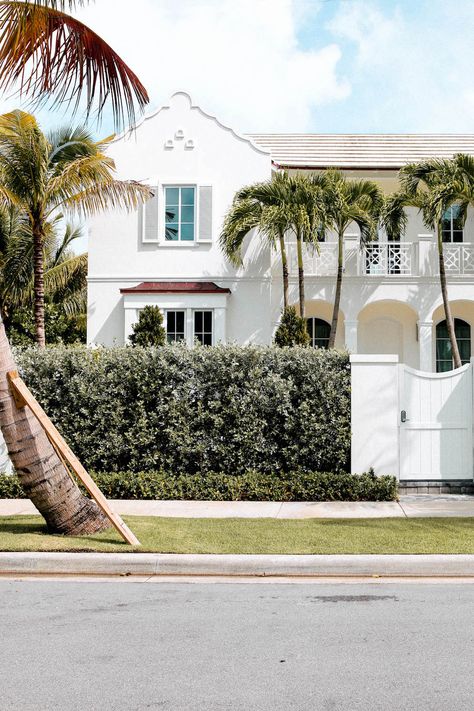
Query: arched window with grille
[444,359]
[318,332]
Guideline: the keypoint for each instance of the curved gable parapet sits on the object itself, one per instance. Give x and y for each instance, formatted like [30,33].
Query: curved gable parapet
[183,96]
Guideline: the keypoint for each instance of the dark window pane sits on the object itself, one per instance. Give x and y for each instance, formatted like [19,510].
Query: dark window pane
[171,321]
[319,332]
[208,321]
[207,339]
[198,321]
[462,330]
[180,321]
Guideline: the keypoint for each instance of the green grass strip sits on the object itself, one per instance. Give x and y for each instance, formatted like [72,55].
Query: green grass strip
[328,536]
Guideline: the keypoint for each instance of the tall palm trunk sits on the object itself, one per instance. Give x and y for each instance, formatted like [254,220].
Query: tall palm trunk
[38,262]
[337,296]
[284,265]
[299,248]
[43,476]
[447,308]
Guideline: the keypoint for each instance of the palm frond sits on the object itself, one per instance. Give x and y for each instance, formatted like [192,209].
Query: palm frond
[110,195]
[47,53]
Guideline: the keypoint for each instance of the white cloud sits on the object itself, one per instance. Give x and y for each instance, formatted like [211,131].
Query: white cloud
[240,60]
[413,64]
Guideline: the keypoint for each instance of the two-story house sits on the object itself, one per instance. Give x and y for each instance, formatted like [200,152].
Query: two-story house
[168,252]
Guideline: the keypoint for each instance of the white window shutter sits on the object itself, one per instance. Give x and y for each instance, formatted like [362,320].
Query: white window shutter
[205,213]
[150,218]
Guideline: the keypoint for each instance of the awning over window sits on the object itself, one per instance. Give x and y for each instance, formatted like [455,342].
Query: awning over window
[176,287]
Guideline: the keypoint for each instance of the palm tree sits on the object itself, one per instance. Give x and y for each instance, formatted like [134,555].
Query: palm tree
[45,53]
[42,175]
[65,273]
[434,186]
[275,207]
[261,207]
[347,201]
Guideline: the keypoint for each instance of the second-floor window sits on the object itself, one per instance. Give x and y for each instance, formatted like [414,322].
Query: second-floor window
[180,213]
[452,227]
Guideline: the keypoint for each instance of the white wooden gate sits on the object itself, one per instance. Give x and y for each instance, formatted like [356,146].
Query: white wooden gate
[436,418]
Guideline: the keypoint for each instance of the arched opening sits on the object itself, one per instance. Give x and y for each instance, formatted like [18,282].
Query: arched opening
[444,358]
[389,327]
[319,331]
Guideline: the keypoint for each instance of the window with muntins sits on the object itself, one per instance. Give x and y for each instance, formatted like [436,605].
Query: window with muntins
[175,326]
[203,327]
[180,213]
[451,225]
[444,358]
[319,331]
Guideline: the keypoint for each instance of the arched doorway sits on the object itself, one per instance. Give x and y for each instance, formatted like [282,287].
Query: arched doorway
[444,359]
[319,331]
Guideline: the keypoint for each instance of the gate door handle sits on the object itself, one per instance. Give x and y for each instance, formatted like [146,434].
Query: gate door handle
[403,416]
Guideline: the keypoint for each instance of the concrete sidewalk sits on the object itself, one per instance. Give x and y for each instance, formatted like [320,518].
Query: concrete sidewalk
[412,506]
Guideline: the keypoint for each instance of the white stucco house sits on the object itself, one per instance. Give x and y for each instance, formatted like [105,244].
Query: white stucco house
[168,252]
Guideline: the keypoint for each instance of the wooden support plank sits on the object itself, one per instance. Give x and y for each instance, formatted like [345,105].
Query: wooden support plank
[23,397]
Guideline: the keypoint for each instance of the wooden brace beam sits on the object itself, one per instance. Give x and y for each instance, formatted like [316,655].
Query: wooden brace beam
[23,397]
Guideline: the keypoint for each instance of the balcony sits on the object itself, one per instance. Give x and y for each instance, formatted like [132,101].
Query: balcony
[387,259]
[315,263]
[459,258]
[382,259]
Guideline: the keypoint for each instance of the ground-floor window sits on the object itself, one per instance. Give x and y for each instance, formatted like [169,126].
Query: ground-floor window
[188,325]
[175,326]
[444,359]
[203,327]
[319,331]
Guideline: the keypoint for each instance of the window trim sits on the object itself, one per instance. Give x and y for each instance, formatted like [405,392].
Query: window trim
[162,215]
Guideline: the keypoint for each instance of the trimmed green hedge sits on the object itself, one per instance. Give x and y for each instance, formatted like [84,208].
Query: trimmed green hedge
[251,486]
[227,409]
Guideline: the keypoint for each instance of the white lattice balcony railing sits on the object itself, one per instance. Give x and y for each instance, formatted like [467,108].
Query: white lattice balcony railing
[315,263]
[387,259]
[459,258]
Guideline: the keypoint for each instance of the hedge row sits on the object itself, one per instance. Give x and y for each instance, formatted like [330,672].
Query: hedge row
[251,486]
[226,409]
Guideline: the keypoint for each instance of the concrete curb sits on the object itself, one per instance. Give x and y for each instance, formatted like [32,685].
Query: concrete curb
[156,564]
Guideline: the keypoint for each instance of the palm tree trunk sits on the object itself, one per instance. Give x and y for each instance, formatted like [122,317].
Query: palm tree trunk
[38,262]
[337,296]
[447,308]
[299,248]
[284,264]
[43,477]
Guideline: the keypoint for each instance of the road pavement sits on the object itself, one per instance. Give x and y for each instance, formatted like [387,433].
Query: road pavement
[100,645]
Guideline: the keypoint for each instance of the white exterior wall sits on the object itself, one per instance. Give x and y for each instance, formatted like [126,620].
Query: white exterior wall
[181,144]
[206,154]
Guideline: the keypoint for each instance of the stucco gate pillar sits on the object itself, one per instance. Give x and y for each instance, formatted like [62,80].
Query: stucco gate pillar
[375,414]
[425,340]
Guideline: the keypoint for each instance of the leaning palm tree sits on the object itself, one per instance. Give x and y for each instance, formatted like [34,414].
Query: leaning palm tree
[347,201]
[45,53]
[434,186]
[39,177]
[66,171]
[260,207]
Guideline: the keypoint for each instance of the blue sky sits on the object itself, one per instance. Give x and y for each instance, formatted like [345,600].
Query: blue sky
[301,65]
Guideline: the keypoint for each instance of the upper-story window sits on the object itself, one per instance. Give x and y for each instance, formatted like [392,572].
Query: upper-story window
[452,227]
[180,213]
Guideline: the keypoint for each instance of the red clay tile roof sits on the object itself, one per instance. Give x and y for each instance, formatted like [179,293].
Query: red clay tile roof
[176,287]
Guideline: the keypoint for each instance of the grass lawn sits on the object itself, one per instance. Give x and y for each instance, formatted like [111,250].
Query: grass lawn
[179,535]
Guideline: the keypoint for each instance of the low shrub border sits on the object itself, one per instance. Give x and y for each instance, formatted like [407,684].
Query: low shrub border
[251,486]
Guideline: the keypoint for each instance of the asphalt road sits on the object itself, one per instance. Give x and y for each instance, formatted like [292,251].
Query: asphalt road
[273,647]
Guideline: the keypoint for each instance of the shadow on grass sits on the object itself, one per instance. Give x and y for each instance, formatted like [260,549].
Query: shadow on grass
[21,526]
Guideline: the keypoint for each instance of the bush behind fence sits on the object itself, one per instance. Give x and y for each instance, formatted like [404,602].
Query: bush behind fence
[226,409]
